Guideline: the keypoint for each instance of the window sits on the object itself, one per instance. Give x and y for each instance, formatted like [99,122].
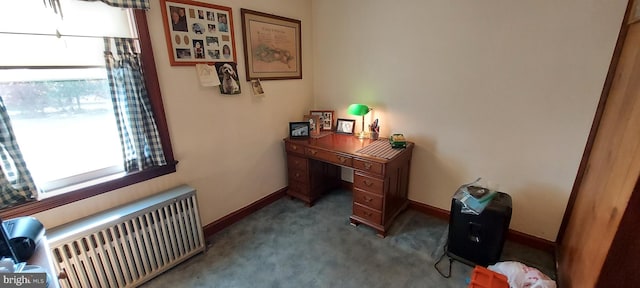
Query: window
[69,111]
[54,84]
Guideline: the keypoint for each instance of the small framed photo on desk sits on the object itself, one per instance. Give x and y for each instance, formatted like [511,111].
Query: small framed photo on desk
[314,123]
[299,129]
[345,126]
[326,119]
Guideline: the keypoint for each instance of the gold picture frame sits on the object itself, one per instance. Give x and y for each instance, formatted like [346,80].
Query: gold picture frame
[198,33]
[272,46]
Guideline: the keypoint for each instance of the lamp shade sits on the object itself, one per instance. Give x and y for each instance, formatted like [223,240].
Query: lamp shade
[358,109]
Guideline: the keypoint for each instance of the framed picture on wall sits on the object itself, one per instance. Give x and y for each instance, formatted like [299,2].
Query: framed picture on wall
[326,118]
[229,80]
[272,46]
[198,32]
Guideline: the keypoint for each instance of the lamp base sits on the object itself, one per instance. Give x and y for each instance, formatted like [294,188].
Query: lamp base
[367,135]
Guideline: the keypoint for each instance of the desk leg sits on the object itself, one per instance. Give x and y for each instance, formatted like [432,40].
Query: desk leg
[379,233]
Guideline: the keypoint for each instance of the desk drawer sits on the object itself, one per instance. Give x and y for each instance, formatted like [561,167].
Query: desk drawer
[367,166]
[330,157]
[368,184]
[367,214]
[367,199]
[294,148]
[298,188]
[299,175]
[295,162]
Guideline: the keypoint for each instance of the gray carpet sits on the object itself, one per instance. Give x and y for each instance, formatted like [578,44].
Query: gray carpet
[287,244]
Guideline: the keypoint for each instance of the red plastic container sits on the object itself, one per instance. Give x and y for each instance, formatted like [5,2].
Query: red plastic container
[485,278]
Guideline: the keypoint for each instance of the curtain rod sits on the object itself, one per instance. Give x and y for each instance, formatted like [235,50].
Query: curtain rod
[59,35]
[52,67]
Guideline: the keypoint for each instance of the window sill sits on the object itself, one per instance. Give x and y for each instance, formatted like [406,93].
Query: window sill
[51,202]
[79,186]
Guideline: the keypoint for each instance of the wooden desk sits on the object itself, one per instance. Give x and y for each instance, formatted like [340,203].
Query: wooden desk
[380,185]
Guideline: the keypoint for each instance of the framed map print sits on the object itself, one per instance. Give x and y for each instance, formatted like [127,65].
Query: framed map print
[198,32]
[272,46]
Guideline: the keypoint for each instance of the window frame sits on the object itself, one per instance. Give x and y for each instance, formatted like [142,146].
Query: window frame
[153,90]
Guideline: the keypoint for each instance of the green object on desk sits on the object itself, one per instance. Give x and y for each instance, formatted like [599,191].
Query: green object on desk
[397,141]
[359,110]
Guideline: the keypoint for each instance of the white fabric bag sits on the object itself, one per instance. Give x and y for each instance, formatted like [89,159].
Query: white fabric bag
[522,276]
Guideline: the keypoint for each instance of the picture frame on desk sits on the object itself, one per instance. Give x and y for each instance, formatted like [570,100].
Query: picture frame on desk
[314,123]
[345,126]
[326,118]
[299,130]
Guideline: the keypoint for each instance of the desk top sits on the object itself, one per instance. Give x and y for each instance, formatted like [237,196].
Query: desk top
[343,143]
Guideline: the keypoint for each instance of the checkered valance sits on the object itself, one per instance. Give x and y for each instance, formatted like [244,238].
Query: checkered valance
[135,4]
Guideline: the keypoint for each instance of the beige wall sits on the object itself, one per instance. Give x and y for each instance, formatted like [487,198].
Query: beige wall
[229,147]
[505,90]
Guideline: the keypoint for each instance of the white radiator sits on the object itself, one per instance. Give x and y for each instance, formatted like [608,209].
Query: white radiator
[128,245]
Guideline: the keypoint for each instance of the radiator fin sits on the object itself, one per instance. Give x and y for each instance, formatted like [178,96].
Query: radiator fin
[139,241]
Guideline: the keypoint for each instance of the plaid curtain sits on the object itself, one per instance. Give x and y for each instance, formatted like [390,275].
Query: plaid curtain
[16,184]
[139,135]
[135,4]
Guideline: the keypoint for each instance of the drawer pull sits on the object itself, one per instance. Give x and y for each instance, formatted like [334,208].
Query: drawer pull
[367,166]
[297,175]
[368,214]
[313,152]
[367,183]
[367,199]
[342,159]
[294,147]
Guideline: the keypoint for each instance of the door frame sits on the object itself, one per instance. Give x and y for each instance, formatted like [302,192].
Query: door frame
[604,95]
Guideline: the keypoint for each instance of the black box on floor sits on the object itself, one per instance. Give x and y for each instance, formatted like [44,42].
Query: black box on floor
[478,239]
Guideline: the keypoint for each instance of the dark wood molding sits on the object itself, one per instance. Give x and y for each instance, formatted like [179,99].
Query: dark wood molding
[532,241]
[226,221]
[31,208]
[512,235]
[152,83]
[594,126]
[622,258]
[429,210]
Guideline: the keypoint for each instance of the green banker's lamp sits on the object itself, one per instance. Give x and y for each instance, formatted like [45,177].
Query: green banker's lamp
[359,110]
